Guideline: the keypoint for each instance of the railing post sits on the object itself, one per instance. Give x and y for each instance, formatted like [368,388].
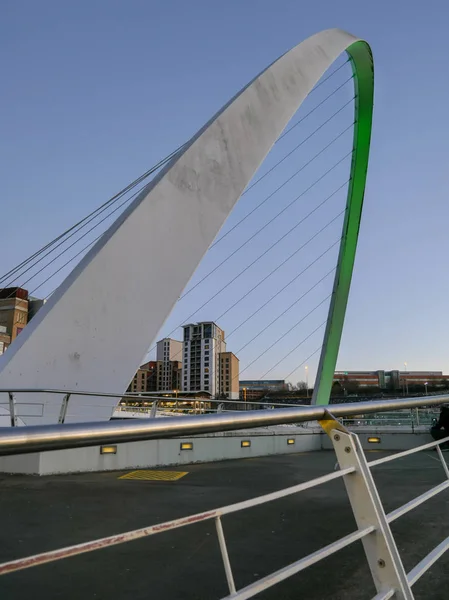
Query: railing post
[153,410]
[443,462]
[12,409]
[224,555]
[380,547]
[63,412]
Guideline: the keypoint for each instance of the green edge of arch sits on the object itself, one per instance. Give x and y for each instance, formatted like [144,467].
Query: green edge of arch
[363,69]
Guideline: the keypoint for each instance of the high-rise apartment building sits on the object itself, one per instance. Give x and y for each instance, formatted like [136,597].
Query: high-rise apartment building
[229,375]
[169,360]
[203,344]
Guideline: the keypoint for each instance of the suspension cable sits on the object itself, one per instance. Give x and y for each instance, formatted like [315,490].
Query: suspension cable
[264,278]
[63,241]
[248,240]
[287,131]
[282,289]
[69,233]
[301,143]
[289,331]
[283,184]
[79,239]
[97,210]
[83,222]
[306,139]
[259,257]
[320,83]
[284,312]
[300,365]
[277,293]
[150,171]
[64,265]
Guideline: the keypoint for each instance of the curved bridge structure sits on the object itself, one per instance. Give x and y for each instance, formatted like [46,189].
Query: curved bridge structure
[96,328]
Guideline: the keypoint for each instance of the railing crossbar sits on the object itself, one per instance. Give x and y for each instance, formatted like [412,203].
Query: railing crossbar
[224,555]
[385,595]
[113,540]
[425,564]
[443,462]
[385,459]
[405,508]
[300,487]
[309,560]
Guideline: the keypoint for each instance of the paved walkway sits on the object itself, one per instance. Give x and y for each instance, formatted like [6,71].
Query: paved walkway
[40,514]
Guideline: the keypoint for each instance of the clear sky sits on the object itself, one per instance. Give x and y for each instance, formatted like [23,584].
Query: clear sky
[94,93]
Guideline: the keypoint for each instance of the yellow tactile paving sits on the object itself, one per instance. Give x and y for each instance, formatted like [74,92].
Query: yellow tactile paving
[154,475]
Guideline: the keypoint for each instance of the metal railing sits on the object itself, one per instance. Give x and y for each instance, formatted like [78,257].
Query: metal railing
[154,402]
[21,440]
[373,524]
[412,418]
[156,405]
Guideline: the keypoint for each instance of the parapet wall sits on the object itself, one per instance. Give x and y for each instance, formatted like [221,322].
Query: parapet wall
[206,448]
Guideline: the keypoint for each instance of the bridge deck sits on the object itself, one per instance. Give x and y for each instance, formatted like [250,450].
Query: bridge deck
[39,514]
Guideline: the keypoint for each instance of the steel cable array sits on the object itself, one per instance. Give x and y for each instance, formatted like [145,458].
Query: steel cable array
[34,266]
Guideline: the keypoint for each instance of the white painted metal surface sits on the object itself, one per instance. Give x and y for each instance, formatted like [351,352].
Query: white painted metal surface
[96,328]
[380,548]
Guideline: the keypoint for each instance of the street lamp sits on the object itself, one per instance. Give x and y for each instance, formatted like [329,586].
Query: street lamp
[405,379]
[425,386]
[307,381]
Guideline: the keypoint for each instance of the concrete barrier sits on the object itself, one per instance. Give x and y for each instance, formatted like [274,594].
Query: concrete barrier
[387,438]
[161,453]
[212,447]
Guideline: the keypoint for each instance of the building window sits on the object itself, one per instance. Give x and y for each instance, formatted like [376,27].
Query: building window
[227,360]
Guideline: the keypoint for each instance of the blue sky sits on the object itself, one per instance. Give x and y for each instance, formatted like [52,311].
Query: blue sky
[96,92]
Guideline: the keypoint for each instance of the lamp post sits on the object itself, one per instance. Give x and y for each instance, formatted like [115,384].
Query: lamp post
[307,381]
[425,386]
[405,380]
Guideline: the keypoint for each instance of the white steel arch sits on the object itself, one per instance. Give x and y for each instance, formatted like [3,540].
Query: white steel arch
[97,327]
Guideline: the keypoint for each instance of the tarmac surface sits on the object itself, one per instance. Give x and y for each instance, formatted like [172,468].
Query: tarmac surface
[44,513]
